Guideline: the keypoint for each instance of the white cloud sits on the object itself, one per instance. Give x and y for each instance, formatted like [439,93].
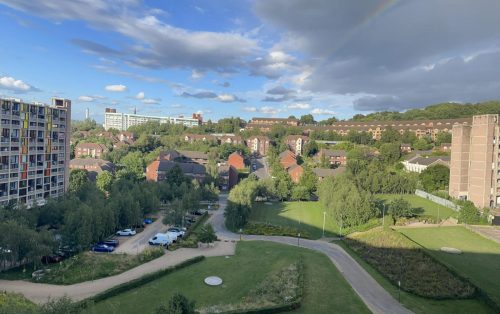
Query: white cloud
[249,109]
[10,83]
[321,111]
[269,110]
[151,101]
[176,106]
[90,98]
[140,95]
[196,75]
[226,98]
[116,88]
[299,106]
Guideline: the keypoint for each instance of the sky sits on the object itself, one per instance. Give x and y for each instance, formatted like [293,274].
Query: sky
[266,58]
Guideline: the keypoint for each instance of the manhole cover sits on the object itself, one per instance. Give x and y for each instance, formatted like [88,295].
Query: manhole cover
[451,250]
[213,281]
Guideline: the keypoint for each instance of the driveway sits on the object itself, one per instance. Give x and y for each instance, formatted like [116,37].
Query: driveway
[136,244]
[376,298]
[262,171]
[490,232]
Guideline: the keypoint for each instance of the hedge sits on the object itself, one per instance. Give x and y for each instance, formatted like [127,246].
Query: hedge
[193,227]
[124,287]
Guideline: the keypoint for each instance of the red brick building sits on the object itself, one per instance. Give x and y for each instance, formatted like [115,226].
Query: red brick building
[334,157]
[90,150]
[287,159]
[405,148]
[228,177]
[158,170]
[295,171]
[236,160]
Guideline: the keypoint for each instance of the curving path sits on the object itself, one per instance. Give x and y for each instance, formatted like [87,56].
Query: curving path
[376,298]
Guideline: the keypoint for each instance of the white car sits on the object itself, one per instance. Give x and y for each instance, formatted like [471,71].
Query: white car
[176,232]
[126,232]
[163,239]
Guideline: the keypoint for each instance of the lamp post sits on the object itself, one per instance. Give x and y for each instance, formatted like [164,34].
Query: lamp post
[324,219]
[383,215]
[241,230]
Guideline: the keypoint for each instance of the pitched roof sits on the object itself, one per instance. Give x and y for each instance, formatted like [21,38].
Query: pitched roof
[287,153]
[91,146]
[186,167]
[427,161]
[293,167]
[192,154]
[326,172]
[332,153]
[91,162]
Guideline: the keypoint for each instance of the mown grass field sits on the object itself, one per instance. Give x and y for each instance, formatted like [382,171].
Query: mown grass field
[479,262]
[325,287]
[422,206]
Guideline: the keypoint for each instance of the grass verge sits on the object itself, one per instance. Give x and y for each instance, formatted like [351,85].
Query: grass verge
[324,287]
[421,206]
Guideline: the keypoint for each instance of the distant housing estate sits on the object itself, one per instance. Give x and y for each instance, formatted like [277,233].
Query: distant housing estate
[122,121]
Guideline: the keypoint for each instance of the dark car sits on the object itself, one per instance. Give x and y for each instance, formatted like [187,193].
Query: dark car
[148,221]
[102,248]
[110,242]
[52,259]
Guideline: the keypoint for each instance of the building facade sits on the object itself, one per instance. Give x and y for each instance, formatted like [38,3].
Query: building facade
[34,150]
[333,157]
[475,161]
[258,144]
[122,121]
[90,150]
[419,163]
[296,143]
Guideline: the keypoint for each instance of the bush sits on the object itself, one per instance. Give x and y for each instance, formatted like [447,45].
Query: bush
[273,230]
[399,259]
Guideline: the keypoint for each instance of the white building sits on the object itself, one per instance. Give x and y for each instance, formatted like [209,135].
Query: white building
[122,121]
[419,163]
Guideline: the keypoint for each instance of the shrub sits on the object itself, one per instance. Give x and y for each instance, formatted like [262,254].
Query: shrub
[273,230]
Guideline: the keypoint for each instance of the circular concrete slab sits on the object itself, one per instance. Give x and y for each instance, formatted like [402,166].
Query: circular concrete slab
[213,281]
[451,250]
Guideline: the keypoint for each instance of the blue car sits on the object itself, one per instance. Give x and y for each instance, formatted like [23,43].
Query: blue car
[148,221]
[110,242]
[102,248]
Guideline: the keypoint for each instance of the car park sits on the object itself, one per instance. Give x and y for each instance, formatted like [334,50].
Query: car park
[126,232]
[102,248]
[176,232]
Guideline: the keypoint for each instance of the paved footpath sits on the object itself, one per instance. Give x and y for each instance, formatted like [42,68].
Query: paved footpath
[40,293]
[376,298]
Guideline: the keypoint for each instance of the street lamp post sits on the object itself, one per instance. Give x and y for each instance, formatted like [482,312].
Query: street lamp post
[324,219]
[383,215]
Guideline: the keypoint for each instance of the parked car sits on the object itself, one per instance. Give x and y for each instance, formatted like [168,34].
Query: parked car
[52,259]
[126,232]
[198,212]
[110,242]
[254,166]
[148,221]
[102,248]
[163,239]
[176,232]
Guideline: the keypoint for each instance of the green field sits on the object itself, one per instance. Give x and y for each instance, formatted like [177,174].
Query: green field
[304,216]
[325,287]
[421,205]
[480,261]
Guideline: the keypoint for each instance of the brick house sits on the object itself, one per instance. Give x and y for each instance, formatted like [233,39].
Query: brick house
[236,160]
[405,148]
[287,159]
[158,170]
[322,173]
[191,138]
[228,177]
[445,147]
[295,171]
[258,144]
[93,166]
[296,143]
[233,140]
[185,156]
[126,136]
[90,149]
[334,157]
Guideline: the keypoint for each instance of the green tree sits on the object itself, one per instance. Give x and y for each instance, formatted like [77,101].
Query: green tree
[468,213]
[308,180]
[390,152]
[390,135]
[399,208]
[307,119]
[77,179]
[207,234]
[311,148]
[134,163]
[300,192]
[435,178]
[104,180]
[442,137]
[422,143]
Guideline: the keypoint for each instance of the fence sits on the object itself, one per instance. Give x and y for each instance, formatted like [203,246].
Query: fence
[437,200]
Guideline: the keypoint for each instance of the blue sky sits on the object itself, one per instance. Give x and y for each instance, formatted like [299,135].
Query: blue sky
[249,58]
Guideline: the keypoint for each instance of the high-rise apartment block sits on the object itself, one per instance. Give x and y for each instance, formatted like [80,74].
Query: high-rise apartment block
[122,121]
[34,150]
[475,161]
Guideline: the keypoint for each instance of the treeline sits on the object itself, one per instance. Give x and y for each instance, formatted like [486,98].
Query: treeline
[89,213]
[433,112]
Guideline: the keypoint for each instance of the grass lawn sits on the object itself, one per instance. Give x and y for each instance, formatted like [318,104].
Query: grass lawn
[304,216]
[325,288]
[423,206]
[480,261]
[85,266]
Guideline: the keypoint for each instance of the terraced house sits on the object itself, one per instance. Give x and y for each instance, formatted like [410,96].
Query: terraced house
[34,150]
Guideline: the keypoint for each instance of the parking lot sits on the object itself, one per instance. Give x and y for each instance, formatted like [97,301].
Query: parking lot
[136,244]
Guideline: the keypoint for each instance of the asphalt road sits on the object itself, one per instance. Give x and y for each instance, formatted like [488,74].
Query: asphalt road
[262,171]
[376,298]
[136,244]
